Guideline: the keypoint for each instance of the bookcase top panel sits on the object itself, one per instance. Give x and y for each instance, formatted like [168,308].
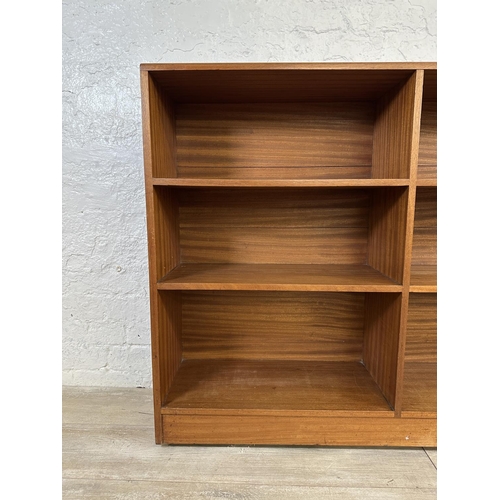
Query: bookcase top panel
[294,66]
[282,82]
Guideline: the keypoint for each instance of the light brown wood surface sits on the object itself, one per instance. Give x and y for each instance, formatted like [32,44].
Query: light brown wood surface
[315,430]
[421,341]
[387,231]
[254,178]
[427,163]
[273,326]
[170,342]
[160,116]
[423,278]
[381,341]
[425,229]
[281,226]
[392,137]
[254,84]
[420,391]
[420,381]
[292,388]
[278,277]
[275,135]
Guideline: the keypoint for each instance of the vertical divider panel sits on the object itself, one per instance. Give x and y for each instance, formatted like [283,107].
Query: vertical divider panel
[386,232]
[396,142]
[393,131]
[163,253]
[414,142]
[380,347]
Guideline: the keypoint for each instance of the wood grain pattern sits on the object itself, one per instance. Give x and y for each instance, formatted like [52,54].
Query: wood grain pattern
[427,158]
[420,391]
[339,245]
[152,259]
[421,337]
[430,83]
[425,246]
[430,181]
[273,326]
[169,339]
[387,231]
[425,228]
[205,385]
[276,208]
[427,161]
[278,277]
[296,66]
[381,340]
[355,175]
[328,431]
[393,131]
[273,227]
[423,279]
[426,207]
[272,135]
[222,179]
[415,105]
[162,129]
[266,84]
[166,232]
[420,379]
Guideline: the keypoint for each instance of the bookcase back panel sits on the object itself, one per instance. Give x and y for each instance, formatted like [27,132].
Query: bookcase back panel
[425,227]
[270,325]
[420,369]
[257,139]
[273,226]
[421,335]
[427,155]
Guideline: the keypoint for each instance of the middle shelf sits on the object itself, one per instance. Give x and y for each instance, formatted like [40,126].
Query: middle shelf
[280,239]
[278,277]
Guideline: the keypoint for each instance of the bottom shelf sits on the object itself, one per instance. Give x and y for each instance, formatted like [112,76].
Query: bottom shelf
[275,388]
[420,390]
[234,402]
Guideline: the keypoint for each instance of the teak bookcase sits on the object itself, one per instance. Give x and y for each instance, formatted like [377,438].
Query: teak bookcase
[291,213]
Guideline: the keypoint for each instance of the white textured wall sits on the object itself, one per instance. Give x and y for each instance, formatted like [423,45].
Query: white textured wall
[105,279]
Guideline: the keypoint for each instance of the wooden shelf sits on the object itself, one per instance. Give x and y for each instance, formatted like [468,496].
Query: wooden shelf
[274,387]
[423,279]
[278,277]
[427,182]
[221,182]
[420,390]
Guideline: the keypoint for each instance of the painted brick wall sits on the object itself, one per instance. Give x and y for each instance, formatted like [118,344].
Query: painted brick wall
[105,280]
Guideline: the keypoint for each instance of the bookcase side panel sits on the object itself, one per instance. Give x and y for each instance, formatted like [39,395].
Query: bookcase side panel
[163,134]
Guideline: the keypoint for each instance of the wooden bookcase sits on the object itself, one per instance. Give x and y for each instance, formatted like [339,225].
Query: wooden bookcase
[291,212]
